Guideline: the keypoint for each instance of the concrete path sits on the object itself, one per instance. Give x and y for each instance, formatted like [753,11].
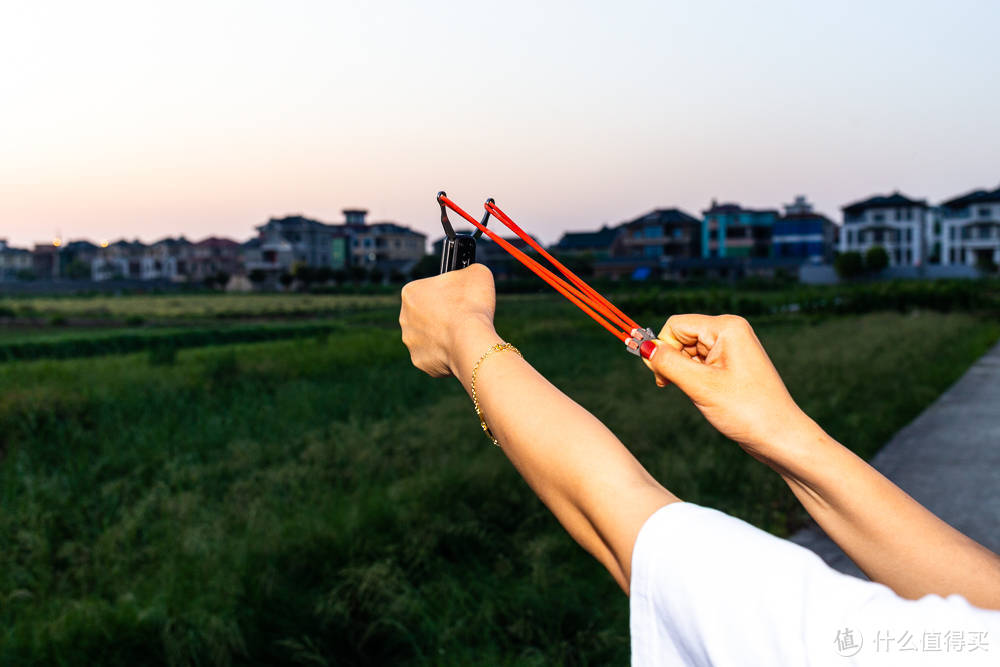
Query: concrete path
[948,458]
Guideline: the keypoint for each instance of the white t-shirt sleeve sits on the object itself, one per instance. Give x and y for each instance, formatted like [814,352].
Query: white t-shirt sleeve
[709,589]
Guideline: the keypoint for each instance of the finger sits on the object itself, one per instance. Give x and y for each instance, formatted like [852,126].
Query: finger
[693,329]
[660,381]
[670,365]
[668,337]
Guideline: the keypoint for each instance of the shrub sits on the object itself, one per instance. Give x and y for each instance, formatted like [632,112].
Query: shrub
[849,265]
[876,259]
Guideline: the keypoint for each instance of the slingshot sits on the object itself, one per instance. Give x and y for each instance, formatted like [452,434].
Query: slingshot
[460,250]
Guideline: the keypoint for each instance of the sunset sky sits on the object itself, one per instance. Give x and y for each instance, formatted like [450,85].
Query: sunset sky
[143,119]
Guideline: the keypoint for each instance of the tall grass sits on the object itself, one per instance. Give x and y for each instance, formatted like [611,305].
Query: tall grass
[320,502]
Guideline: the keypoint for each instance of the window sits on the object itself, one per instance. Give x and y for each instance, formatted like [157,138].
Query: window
[653,231]
[652,251]
[985,212]
[878,217]
[909,235]
[677,232]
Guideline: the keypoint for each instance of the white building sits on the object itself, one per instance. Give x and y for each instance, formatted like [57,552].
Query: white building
[894,222]
[167,259]
[970,229]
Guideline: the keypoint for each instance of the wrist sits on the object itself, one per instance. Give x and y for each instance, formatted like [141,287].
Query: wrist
[796,451]
[470,338]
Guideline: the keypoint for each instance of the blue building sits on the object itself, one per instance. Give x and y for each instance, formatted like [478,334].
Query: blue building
[803,234]
[729,230]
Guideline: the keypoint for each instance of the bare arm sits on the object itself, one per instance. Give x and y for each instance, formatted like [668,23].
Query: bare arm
[892,538]
[579,469]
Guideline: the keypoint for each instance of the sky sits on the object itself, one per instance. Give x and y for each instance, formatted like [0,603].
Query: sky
[143,119]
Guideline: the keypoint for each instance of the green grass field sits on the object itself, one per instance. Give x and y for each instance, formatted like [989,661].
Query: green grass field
[318,501]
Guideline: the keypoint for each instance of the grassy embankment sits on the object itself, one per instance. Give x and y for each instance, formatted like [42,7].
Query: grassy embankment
[318,501]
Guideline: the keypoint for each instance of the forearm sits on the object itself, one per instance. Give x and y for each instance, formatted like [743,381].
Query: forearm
[890,536]
[579,469]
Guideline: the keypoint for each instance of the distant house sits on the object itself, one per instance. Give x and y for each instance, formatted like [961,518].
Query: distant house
[894,222]
[214,257]
[644,246]
[45,261]
[592,244]
[119,260]
[664,232]
[167,259]
[385,245]
[76,259]
[803,234]
[14,262]
[970,229]
[294,239]
[58,260]
[730,230]
[285,242]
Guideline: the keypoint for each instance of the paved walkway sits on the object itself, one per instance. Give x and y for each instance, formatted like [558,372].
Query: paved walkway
[948,458]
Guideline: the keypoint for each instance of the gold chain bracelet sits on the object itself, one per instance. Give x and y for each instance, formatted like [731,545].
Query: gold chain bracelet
[498,347]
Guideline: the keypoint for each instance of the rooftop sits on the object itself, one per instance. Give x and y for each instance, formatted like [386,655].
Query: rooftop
[974,197]
[896,199]
[217,242]
[732,208]
[294,221]
[390,227]
[664,216]
[602,238]
[79,244]
[173,241]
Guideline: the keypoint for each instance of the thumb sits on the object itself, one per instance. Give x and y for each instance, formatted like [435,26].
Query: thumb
[670,364]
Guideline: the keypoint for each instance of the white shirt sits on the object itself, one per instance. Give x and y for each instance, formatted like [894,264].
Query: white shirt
[709,589]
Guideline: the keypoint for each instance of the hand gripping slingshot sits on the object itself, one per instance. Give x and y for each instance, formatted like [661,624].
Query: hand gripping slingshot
[459,251]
